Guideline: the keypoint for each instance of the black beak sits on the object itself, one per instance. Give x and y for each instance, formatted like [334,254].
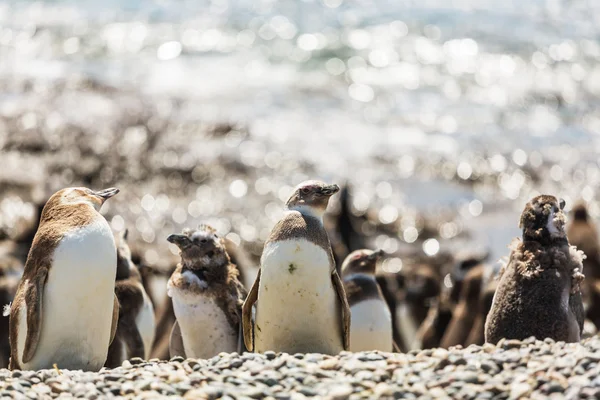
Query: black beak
[179,240]
[330,190]
[106,193]
[561,204]
[376,255]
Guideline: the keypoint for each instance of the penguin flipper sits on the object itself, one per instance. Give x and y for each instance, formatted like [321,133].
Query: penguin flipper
[115,320]
[247,326]
[396,347]
[339,287]
[176,342]
[34,301]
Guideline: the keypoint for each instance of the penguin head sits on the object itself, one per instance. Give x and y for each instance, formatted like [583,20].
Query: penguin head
[312,196]
[201,247]
[361,262]
[81,195]
[580,212]
[125,265]
[543,219]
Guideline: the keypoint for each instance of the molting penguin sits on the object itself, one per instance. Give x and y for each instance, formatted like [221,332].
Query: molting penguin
[538,292]
[135,330]
[65,310]
[207,296]
[301,306]
[371,327]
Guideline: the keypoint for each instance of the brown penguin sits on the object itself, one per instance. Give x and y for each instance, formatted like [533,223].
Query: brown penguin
[538,292]
[135,329]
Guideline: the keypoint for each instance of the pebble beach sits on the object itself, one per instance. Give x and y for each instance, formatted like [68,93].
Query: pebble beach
[511,370]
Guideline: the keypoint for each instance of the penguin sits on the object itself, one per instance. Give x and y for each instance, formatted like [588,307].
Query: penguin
[301,305]
[477,334]
[391,284]
[538,291]
[136,325]
[583,234]
[466,310]
[207,296]
[11,269]
[65,310]
[371,327]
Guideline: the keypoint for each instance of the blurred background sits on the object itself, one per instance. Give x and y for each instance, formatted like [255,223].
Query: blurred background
[443,117]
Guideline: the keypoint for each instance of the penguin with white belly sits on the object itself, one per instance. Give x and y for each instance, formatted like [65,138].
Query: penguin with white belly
[65,310]
[301,305]
[371,327]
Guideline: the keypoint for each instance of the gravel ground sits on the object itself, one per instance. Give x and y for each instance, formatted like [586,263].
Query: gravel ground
[513,369]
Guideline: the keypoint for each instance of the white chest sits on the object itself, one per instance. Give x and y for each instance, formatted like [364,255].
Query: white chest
[205,329]
[371,327]
[297,307]
[77,301]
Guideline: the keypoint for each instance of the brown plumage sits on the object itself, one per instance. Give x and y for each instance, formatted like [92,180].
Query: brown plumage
[203,254]
[128,341]
[538,292]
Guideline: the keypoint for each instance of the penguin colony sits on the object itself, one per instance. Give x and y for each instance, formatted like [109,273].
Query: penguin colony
[82,303]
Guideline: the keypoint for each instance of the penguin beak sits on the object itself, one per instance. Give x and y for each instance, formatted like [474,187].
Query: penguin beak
[179,240]
[561,204]
[330,190]
[106,193]
[376,255]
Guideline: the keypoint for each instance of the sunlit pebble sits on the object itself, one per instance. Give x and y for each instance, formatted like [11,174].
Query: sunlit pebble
[390,246]
[360,92]
[361,201]
[169,50]
[392,265]
[406,166]
[267,32]
[475,208]
[498,163]
[151,256]
[71,45]
[539,60]
[556,173]
[398,29]
[359,39]
[148,236]
[431,247]
[388,214]
[379,58]
[335,66]
[238,188]
[587,193]
[356,62]
[262,186]
[448,281]
[519,157]
[536,159]
[447,124]
[248,232]
[170,159]
[410,234]
[274,211]
[452,90]
[448,230]
[173,249]
[333,3]
[273,159]
[464,170]
[179,215]
[307,42]
[147,202]
[383,190]
[118,223]
[162,202]
[245,38]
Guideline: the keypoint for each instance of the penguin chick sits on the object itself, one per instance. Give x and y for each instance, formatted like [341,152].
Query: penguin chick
[135,329]
[538,292]
[301,305]
[371,327]
[207,296]
[65,310]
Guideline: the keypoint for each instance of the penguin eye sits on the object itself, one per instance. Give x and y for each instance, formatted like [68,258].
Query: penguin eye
[305,190]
